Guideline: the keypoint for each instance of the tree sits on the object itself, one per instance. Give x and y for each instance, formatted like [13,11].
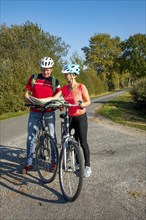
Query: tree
[133,56]
[75,58]
[102,54]
[21,49]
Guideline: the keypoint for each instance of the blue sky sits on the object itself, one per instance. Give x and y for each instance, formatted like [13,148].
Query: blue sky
[76,21]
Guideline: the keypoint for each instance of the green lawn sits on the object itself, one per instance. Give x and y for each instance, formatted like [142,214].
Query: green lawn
[13,114]
[123,110]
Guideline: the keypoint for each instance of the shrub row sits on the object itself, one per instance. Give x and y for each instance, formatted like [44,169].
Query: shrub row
[139,93]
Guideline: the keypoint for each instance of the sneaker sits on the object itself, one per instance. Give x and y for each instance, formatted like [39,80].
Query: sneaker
[26,168]
[53,167]
[87,171]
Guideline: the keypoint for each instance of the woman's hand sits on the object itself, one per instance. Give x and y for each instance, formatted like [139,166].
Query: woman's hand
[82,105]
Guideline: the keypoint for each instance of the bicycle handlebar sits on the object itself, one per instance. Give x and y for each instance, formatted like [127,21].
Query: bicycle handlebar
[52,104]
[64,104]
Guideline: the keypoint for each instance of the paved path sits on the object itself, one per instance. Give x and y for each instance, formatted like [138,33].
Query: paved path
[115,190]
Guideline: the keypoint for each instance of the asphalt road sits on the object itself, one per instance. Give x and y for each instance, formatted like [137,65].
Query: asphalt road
[115,190]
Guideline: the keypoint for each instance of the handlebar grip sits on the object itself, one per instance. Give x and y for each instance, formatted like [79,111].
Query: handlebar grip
[32,105]
[28,105]
[80,102]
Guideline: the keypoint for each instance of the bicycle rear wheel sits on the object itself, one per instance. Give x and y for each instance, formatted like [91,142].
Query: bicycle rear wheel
[46,159]
[71,171]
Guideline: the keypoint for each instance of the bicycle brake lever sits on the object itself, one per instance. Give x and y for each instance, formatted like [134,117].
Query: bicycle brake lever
[80,102]
[47,104]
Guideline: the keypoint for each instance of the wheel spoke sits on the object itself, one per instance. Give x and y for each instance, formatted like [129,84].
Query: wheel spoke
[46,158]
[71,174]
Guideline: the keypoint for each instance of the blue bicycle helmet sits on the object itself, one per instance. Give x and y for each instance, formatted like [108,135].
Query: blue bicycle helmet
[72,69]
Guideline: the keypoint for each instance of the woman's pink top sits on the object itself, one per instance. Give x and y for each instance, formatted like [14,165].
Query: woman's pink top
[78,93]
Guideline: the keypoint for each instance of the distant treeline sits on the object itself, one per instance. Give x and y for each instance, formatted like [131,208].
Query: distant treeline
[109,64]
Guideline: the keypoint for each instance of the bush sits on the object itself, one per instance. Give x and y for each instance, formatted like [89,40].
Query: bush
[139,93]
[94,84]
[114,82]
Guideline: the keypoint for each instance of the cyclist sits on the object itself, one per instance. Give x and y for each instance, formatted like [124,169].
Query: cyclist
[42,87]
[72,93]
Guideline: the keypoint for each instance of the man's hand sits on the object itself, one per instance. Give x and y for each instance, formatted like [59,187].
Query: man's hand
[26,95]
[27,101]
[61,108]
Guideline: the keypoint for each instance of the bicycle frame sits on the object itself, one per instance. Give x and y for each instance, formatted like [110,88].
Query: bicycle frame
[42,129]
[65,135]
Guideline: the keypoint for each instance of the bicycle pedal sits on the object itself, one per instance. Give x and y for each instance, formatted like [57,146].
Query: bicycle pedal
[69,169]
[46,158]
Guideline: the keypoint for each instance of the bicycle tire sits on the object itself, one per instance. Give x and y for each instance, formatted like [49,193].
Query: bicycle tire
[44,159]
[71,179]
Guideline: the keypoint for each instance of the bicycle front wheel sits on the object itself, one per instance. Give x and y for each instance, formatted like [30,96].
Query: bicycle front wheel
[46,159]
[71,171]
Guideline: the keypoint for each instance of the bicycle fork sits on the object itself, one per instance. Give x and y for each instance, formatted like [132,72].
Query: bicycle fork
[68,156]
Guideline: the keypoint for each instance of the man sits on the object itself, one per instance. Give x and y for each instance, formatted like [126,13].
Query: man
[40,86]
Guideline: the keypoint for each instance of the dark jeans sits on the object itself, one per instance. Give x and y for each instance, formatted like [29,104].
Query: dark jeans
[80,124]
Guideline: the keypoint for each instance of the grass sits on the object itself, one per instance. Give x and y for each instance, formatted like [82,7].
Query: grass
[123,110]
[13,114]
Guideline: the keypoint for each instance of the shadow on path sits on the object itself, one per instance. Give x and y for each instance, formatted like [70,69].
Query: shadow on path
[12,160]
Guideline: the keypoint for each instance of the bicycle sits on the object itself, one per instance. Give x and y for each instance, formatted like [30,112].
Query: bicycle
[70,160]
[46,151]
